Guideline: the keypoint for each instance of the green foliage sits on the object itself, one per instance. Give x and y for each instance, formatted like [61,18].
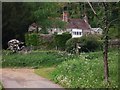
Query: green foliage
[1,86]
[113,33]
[47,13]
[86,71]
[58,23]
[60,40]
[46,42]
[87,43]
[90,43]
[45,71]
[32,39]
[75,9]
[71,44]
[15,21]
[34,59]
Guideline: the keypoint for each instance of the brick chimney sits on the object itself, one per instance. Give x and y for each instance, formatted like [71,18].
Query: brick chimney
[85,18]
[65,16]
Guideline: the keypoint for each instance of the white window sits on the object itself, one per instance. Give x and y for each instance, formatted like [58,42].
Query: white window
[79,33]
[76,33]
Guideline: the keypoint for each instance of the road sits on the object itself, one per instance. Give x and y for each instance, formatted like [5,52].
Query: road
[24,78]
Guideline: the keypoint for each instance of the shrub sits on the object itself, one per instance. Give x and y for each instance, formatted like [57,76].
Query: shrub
[46,41]
[87,43]
[32,39]
[90,43]
[82,72]
[71,44]
[60,40]
[114,35]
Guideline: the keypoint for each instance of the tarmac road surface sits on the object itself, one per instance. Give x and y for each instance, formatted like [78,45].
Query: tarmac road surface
[24,78]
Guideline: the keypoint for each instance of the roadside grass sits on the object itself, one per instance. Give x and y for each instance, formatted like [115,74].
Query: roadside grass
[86,71]
[35,59]
[45,72]
[83,71]
[1,86]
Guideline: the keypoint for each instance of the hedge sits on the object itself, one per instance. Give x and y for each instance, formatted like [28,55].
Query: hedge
[31,39]
[60,40]
[87,43]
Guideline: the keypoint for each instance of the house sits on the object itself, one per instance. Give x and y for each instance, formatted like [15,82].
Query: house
[34,28]
[97,31]
[77,27]
[55,31]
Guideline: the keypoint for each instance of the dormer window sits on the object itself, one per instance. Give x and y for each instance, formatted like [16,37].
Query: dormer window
[77,33]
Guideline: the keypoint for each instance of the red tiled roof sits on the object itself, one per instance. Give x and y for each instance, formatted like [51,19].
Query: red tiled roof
[78,23]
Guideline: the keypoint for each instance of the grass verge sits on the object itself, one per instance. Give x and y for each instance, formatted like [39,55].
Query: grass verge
[35,59]
[84,71]
[1,86]
[45,72]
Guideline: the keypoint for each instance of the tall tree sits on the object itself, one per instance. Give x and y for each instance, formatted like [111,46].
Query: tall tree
[47,15]
[105,47]
[16,17]
[107,22]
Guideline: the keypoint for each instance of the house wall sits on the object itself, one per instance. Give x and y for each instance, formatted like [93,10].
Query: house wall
[97,31]
[58,31]
[55,30]
[75,32]
[86,32]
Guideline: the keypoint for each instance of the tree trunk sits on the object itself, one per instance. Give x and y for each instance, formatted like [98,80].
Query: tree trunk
[105,33]
[106,69]
[105,48]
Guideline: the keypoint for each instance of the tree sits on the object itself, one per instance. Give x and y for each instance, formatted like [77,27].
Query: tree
[106,25]
[105,47]
[47,15]
[16,17]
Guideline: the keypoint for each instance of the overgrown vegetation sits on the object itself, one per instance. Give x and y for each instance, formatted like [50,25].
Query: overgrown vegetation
[45,71]
[70,71]
[87,43]
[60,40]
[31,39]
[46,42]
[33,60]
[86,71]
[1,86]
[90,43]
[114,35]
